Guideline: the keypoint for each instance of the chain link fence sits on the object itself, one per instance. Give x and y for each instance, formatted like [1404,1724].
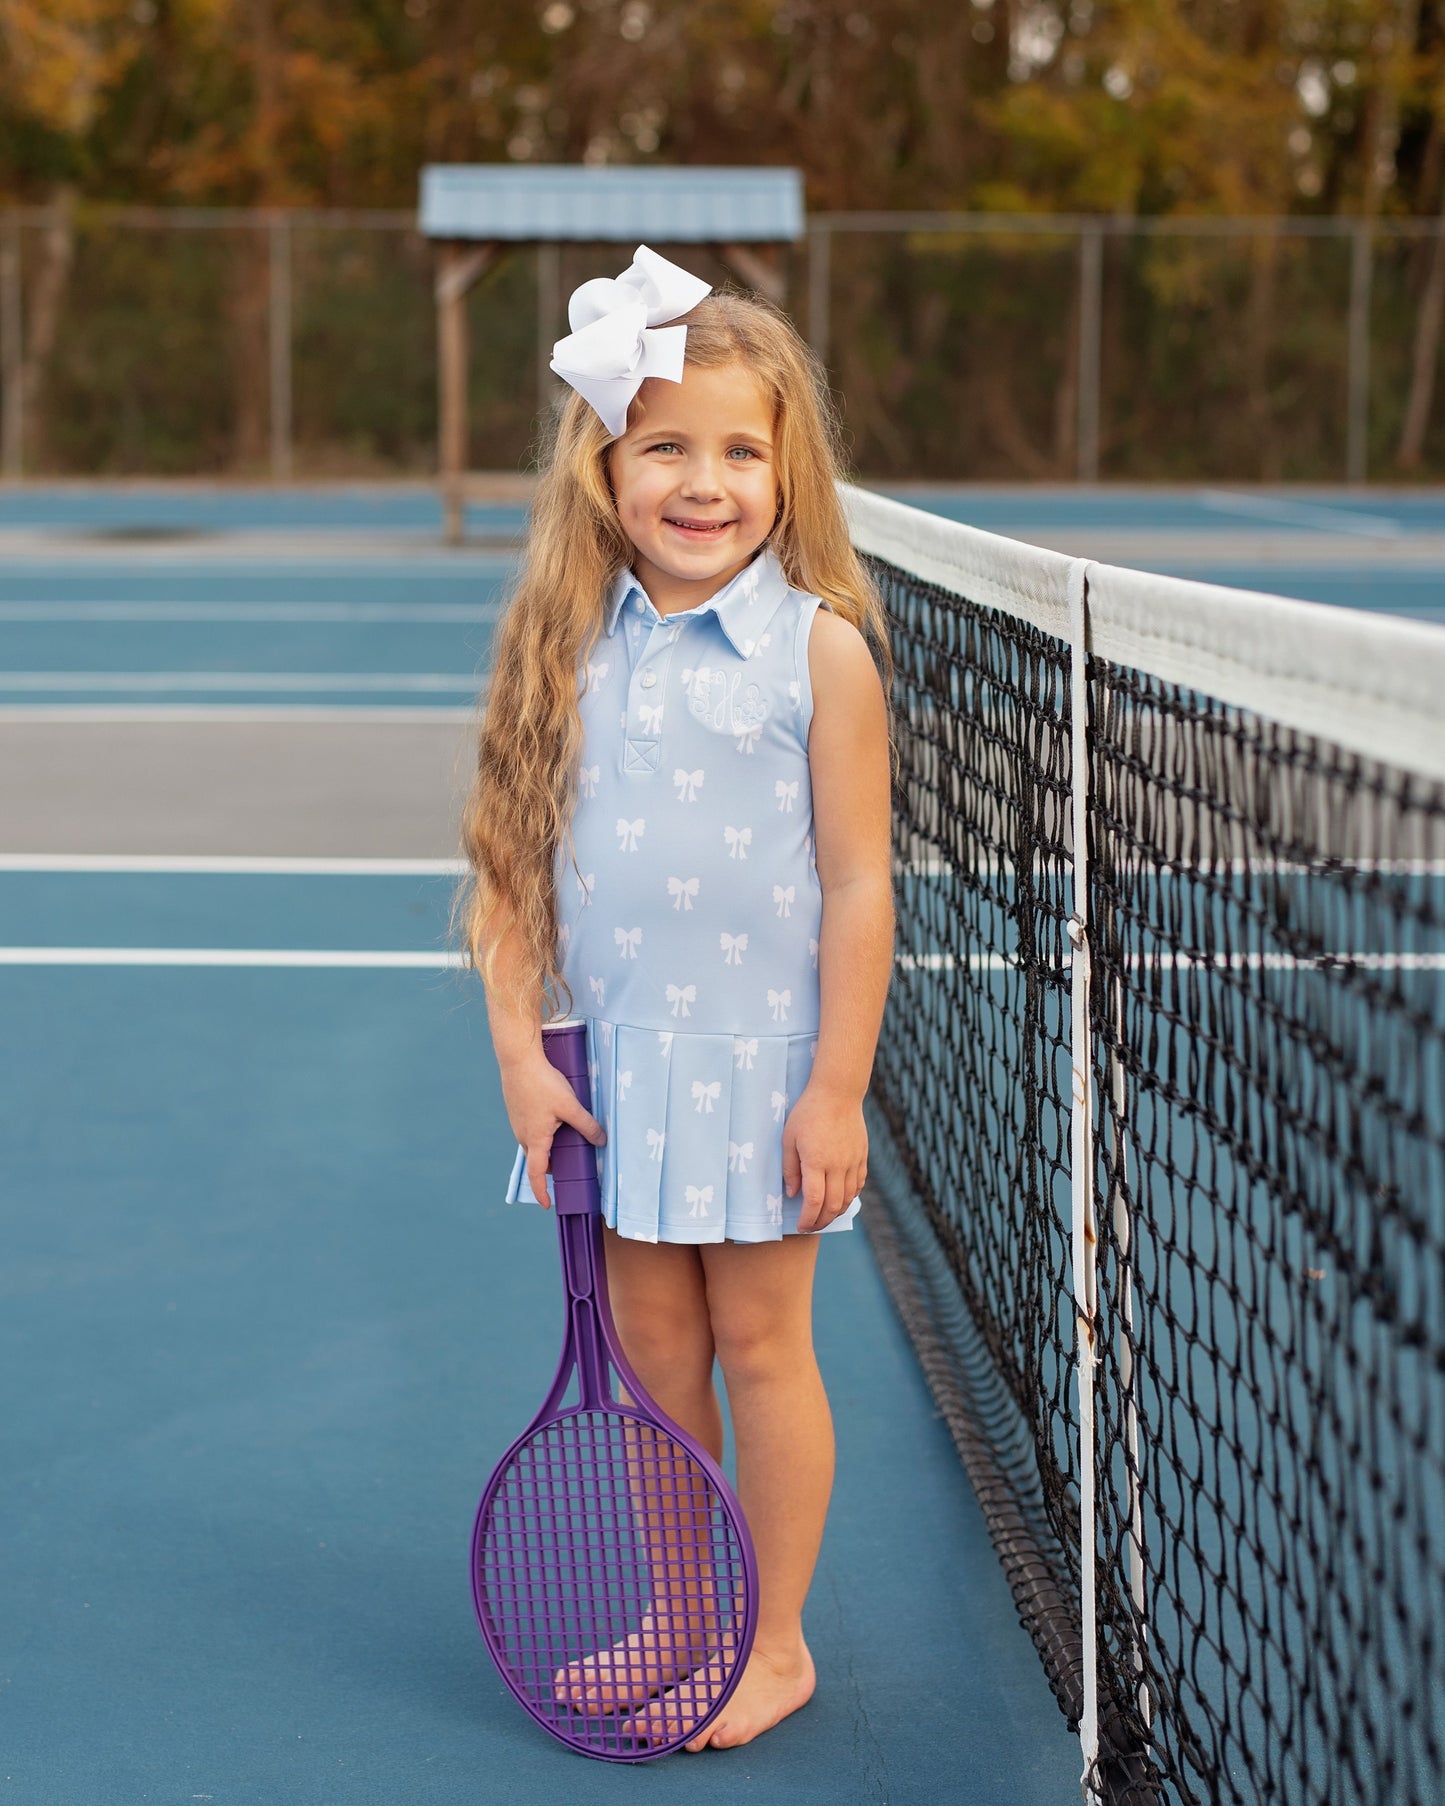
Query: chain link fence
[302,345]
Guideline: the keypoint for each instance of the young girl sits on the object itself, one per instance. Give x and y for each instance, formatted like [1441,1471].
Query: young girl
[679,829]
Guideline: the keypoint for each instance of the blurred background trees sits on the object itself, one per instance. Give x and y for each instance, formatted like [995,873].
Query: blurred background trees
[1125,105]
[956,358]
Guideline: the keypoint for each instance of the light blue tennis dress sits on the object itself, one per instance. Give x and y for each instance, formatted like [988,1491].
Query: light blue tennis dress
[689,923]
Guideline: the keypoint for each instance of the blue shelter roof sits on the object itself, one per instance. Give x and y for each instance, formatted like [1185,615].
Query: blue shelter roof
[550,201]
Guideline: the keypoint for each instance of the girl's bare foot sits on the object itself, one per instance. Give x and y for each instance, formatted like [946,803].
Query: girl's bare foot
[617,1679]
[770,1689]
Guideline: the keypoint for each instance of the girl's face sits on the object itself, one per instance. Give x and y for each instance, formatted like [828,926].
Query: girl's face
[695,483]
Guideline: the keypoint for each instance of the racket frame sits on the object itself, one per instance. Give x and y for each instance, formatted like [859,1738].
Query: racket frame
[590,1345]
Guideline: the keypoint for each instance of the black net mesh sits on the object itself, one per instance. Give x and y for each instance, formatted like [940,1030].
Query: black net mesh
[1268,999]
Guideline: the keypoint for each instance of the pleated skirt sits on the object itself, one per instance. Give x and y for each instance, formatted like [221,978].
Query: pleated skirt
[694,1133]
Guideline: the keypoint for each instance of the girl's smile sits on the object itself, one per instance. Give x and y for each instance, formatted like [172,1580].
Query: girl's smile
[695,483]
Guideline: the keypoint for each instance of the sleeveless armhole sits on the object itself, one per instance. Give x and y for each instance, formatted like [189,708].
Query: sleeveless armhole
[811,605]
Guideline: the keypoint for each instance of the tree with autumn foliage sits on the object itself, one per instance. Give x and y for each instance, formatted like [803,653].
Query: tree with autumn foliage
[1154,107]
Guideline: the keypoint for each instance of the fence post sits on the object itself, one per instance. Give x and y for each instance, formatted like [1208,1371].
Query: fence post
[1357,402]
[280,347]
[819,281]
[12,354]
[1091,283]
[549,305]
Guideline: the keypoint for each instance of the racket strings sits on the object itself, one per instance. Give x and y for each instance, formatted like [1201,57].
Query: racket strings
[612,1582]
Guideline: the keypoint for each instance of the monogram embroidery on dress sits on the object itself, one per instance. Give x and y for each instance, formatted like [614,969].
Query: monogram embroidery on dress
[727,701]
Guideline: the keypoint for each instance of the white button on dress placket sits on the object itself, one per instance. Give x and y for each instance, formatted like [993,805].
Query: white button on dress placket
[648,679]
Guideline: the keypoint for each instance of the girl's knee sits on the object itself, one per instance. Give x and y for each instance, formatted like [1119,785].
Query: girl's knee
[664,1343]
[752,1349]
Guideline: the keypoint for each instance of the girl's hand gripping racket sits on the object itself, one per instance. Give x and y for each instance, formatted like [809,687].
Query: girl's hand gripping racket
[612,1568]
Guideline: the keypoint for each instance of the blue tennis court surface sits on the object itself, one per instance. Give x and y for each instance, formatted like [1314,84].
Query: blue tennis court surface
[129,631]
[267,1326]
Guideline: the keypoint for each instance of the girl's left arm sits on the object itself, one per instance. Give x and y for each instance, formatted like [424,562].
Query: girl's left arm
[825,1143]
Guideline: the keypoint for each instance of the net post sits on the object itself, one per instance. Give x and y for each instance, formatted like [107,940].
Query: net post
[1081,1160]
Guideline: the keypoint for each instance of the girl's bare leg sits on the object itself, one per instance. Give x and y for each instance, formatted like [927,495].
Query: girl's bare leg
[659,1301]
[760,1305]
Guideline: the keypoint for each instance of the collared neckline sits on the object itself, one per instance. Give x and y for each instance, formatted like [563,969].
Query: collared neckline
[743,607]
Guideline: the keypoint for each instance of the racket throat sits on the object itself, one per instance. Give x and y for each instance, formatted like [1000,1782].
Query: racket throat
[582,1255]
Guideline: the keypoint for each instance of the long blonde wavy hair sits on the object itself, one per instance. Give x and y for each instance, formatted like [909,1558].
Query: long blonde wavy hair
[519,808]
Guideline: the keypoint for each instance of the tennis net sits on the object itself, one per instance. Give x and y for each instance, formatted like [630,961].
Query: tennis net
[1158,1168]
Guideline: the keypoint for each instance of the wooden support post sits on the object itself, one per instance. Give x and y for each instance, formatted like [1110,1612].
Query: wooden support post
[550,325]
[762,270]
[458,267]
[819,287]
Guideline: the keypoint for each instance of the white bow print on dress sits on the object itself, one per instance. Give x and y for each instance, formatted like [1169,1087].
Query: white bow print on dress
[734,946]
[778,1002]
[682,891]
[629,940]
[619,337]
[698,1197]
[704,1096]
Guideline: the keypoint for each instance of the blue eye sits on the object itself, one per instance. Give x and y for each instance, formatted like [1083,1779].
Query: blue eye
[746,451]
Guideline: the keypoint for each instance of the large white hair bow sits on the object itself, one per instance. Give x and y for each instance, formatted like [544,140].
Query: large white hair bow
[618,338]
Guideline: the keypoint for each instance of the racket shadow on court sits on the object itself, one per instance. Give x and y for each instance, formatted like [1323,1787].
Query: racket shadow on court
[612,1570]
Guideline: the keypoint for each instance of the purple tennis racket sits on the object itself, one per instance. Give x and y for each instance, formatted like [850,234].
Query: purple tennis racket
[612,1569]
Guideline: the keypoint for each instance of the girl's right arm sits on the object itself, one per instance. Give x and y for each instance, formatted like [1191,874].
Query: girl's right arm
[537,1097]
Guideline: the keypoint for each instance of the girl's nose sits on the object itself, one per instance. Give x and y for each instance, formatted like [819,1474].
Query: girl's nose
[702,480]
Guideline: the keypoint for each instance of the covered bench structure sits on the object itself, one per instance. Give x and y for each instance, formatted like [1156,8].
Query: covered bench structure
[475,212]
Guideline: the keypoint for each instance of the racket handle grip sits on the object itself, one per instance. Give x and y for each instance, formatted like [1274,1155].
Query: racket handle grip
[574,1159]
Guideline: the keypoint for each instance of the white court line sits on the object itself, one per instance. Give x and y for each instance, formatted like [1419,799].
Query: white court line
[237,680]
[226,713]
[248,611]
[1302,514]
[251,957]
[231,864]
